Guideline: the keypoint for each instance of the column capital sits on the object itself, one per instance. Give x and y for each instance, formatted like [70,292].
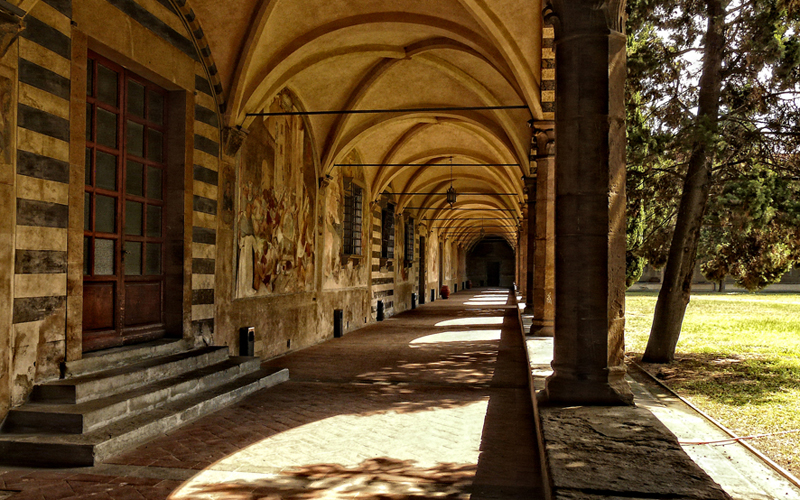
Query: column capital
[585,17]
[325,181]
[11,25]
[543,140]
[232,139]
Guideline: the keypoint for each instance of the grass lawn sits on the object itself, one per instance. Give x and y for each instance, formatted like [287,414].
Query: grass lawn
[738,359]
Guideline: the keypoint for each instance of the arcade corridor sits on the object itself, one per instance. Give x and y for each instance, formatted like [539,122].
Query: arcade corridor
[432,402]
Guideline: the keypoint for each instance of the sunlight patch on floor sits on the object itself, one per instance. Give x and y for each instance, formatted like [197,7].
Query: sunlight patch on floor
[498,320]
[462,336]
[347,451]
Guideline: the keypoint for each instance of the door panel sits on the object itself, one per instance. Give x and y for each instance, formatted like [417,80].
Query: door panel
[124,204]
[142,303]
[98,306]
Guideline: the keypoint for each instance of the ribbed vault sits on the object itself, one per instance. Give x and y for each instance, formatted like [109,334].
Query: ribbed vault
[397,55]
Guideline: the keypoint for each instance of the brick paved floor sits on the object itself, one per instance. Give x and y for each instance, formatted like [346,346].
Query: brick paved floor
[432,403]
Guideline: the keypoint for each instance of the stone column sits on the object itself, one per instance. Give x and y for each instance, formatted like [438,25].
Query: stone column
[544,256]
[590,203]
[521,254]
[522,251]
[530,249]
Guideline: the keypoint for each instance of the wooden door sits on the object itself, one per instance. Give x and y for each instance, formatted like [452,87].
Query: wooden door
[493,273]
[123,286]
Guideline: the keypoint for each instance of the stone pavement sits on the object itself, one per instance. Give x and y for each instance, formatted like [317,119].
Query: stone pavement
[430,403]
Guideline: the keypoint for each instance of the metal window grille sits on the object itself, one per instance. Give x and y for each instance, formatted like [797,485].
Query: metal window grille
[409,240]
[353,217]
[387,232]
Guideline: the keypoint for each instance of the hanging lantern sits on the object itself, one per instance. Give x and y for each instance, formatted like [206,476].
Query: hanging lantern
[451,196]
[451,192]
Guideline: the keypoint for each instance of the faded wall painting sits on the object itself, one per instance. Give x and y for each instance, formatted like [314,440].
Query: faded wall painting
[276,196]
[6,120]
[350,271]
[400,248]
[448,263]
[433,257]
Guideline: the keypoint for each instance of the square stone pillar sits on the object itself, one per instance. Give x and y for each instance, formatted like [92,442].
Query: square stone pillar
[544,297]
[522,252]
[590,204]
[530,248]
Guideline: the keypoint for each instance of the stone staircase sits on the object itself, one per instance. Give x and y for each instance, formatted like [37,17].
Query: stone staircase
[113,400]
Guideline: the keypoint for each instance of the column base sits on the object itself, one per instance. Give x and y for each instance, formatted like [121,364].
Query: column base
[528,309]
[612,390]
[542,328]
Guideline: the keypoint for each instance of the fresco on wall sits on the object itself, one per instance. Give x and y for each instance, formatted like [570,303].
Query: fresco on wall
[400,248]
[337,273]
[448,268]
[276,198]
[6,123]
[433,257]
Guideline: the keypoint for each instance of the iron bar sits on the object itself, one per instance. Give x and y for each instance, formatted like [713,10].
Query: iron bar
[459,193]
[467,209]
[474,218]
[455,229]
[375,111]
[425,164]
[459,233]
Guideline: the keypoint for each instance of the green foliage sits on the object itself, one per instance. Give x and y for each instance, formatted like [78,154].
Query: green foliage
[753,142]
[752,230]
[634,236]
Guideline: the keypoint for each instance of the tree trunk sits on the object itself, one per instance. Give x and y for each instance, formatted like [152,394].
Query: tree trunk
[722,285]
[677,285]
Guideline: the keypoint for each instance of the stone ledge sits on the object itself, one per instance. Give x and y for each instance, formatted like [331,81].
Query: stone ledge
[594,452]
[608,452]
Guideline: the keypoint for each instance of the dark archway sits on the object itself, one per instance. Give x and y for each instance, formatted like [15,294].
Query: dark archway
[491,263]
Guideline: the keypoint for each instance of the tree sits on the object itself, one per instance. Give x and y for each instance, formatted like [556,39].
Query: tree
[718,82]
[752,230]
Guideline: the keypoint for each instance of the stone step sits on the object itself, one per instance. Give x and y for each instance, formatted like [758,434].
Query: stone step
[124,378]
[99,361]
[84,417]
[78,450]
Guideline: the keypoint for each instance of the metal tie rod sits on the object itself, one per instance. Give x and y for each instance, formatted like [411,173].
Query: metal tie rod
[460,194]
[426,165]
[375,111]
[467,209]
[473,218]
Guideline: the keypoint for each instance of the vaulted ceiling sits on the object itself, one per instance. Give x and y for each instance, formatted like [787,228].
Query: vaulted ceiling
[403,55]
